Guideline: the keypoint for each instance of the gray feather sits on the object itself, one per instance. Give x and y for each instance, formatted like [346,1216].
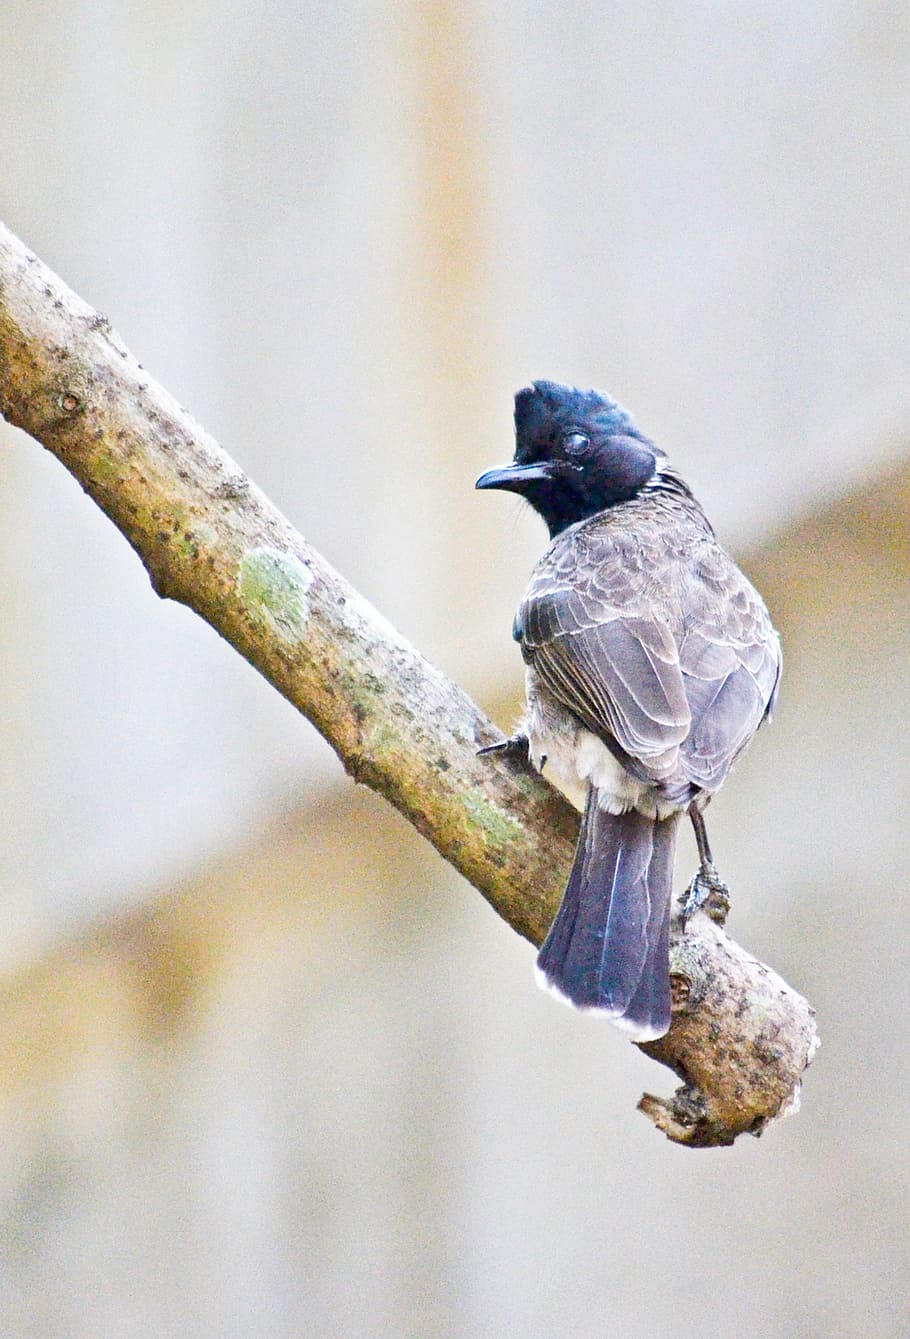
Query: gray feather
[642,627]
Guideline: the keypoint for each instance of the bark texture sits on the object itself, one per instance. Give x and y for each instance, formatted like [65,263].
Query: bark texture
[210,539]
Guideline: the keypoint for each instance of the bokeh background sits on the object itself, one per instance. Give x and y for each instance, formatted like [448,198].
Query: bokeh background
[268,1067]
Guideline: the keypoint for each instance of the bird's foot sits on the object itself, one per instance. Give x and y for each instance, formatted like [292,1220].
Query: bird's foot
[708,893]
[517,747]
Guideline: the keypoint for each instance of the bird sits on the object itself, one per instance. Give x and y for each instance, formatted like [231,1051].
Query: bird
[650,663]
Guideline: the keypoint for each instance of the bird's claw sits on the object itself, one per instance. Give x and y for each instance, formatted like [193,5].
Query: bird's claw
[708,893]
[516,746]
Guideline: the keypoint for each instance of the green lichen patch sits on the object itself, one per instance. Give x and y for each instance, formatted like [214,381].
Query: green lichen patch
[499,826]
[273,587]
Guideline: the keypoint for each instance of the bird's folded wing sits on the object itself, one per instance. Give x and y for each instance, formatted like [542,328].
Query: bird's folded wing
[669,708]
[730,668]
[619,674]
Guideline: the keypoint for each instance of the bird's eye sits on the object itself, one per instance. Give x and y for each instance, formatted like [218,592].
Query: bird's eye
[574,443]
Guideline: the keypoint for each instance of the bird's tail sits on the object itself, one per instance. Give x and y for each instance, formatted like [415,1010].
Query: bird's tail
[608,948]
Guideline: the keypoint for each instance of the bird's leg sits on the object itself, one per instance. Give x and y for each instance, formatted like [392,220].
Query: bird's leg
[707,890]
[517,746]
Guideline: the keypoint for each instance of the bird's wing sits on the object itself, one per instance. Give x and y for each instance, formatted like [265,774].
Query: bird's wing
[675,704]
[730,661]
[616,669]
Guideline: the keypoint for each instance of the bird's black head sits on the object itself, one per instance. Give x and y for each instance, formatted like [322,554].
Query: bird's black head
[576,453]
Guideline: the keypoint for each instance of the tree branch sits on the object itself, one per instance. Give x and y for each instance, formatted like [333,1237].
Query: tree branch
[210,539]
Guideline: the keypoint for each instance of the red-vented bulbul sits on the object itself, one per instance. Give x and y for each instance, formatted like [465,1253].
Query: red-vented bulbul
[651,662]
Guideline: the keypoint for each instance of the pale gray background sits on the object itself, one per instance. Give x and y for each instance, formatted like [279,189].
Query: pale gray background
[343,238]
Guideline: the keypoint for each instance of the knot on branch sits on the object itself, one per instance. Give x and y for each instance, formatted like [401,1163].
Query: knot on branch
[740,1040]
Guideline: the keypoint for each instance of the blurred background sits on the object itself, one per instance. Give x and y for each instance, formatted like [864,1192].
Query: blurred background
[268,1067]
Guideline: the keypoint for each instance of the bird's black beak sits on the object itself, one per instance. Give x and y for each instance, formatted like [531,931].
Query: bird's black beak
[515,478]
